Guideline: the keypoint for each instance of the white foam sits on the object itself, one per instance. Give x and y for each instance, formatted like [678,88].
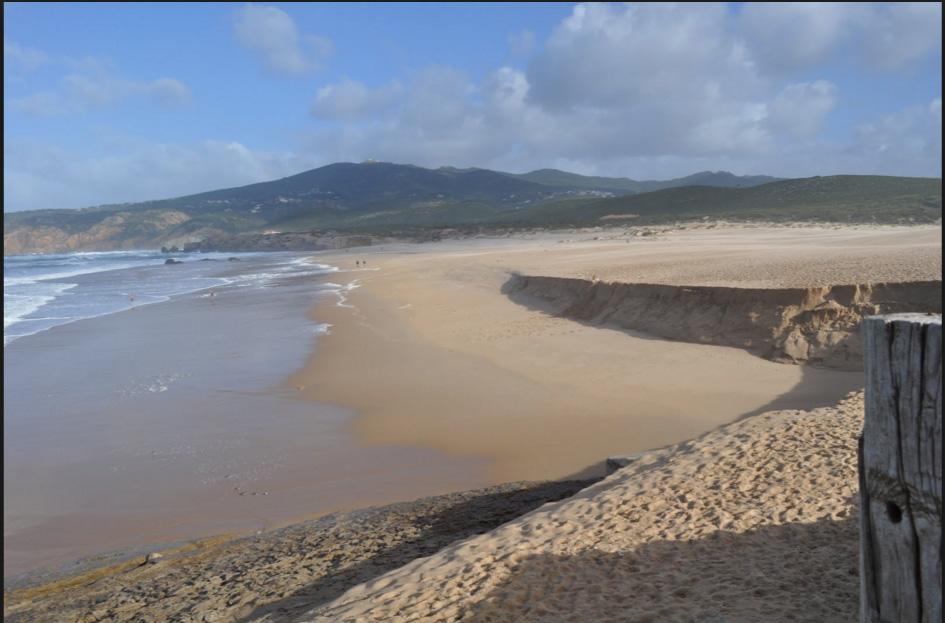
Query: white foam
[291,269]
[24,295]
[17,306]
[340,290]
[16,281]
[156,385]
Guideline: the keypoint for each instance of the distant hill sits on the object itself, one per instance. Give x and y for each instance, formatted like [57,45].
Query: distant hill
[332,195]
[375,197]
[623,185]
[837,198]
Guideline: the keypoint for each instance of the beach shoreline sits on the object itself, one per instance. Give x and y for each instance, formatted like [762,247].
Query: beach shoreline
[425,348]
[430,350]
[168,422]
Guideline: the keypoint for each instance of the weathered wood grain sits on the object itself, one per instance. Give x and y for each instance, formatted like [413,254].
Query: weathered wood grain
[901,470]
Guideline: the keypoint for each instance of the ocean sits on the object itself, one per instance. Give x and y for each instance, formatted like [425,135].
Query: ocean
[43,291]
[148,403]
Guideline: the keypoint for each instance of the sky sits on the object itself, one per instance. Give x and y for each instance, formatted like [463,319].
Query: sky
[110,103]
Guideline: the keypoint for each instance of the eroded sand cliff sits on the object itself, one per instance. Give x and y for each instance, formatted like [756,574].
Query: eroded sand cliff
[816,325]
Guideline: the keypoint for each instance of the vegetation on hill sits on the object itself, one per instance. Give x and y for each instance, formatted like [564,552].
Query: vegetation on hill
[623,185]
[839,198]
[381,197]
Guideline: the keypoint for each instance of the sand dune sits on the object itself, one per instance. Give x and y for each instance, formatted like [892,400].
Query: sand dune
[756,520]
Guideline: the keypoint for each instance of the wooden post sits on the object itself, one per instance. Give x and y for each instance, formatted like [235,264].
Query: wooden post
[900,468]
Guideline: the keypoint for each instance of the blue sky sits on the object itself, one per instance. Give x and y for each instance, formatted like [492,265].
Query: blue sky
[109,103]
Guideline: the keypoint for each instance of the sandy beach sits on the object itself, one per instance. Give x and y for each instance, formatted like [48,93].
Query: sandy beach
[745,474]
[430,352]
[756,520]
[277,575]
[590,312]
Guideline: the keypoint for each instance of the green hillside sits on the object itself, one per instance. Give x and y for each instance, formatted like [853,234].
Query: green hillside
[840,198]
[623,185]
[381,197]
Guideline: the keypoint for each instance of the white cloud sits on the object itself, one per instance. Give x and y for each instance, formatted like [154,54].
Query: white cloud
[167,91]
[792,36]
[505,92]
[907,142]
[91,83]
[641,90]
[786,36]
[21,57]
[437,101]
[272,33]
[635,90]
[41,104]
[618,56]
[902,33]
[799,109]
[98,87]
[39,175]
[522,43]
[351,100]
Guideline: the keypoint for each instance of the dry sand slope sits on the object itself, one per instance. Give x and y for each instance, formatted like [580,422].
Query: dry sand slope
[754,521]
[276,576]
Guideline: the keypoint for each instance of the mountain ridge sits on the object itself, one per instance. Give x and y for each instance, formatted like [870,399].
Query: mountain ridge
[706,178]
[377,196]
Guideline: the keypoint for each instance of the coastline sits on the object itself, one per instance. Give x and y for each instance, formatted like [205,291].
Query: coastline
[276,575]
[167,422]
[429,350]
[385,323]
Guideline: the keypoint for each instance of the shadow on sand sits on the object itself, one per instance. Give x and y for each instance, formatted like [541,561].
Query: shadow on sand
[790,572]
[441,528]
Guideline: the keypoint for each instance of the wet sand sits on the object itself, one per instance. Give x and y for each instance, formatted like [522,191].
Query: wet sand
[278,575]
[429,351]
[169,422]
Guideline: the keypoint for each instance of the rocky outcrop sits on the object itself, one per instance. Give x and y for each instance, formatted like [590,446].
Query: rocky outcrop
[162,229]
[799,325]
[118,231]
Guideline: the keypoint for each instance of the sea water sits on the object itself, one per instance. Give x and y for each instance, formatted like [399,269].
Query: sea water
[130,423]
[43,291]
